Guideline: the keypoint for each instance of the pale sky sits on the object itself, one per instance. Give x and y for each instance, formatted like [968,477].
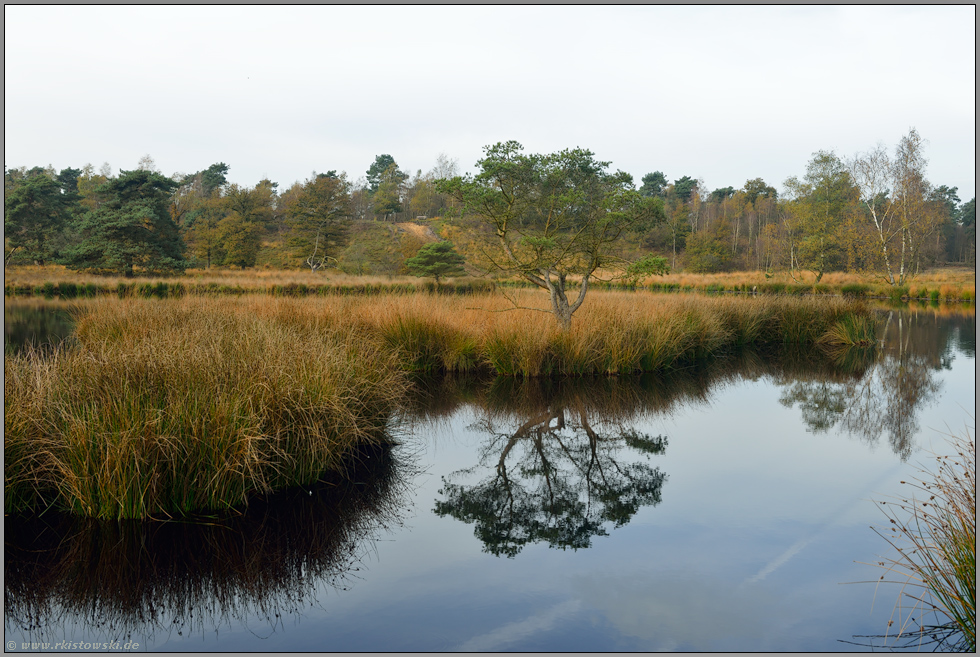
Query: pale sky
[720,93]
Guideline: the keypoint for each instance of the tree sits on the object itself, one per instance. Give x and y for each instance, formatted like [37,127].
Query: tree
[947,201]
[131,227]
[722,194]
[684,187]
[436,259]
[895,196]
[203,232]
[386,200]
[381,166]
[654,184]
[240,240]
[706,251]
[35,211]
[147,163]
[87,184]
[555,216]
[318,218]
[678,225]
[68,180]
[213,178]
[968,221]
[756,188]
[818,209]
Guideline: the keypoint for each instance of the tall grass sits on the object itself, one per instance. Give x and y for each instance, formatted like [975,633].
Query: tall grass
[171,407]
[934,533]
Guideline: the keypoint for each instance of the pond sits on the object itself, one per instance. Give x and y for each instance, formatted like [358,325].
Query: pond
[725,508]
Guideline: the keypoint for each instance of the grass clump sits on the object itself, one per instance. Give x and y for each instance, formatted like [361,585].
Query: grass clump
[166,408]
[852,331]
[855,289]
[935,535]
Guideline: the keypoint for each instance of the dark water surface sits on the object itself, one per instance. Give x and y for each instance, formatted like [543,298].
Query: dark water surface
[726,508]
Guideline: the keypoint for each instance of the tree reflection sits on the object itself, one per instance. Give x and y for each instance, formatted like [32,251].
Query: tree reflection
[132,579]
[887,399]
[562,467]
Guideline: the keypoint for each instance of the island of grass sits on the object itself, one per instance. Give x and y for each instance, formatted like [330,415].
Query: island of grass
[165,408]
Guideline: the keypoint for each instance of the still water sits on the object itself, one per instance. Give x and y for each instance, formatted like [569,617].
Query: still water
[726,508]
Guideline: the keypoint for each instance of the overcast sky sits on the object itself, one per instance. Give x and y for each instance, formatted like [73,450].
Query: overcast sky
[721,93]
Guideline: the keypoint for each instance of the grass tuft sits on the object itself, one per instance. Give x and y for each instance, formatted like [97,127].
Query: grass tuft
[165,407]
[935,535]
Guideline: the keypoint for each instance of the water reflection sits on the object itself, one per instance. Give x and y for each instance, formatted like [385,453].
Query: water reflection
[899,382]
[562,461]
[134,579]
[559,465]
[36,323]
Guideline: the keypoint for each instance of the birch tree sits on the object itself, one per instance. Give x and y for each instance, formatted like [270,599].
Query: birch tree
[895,197]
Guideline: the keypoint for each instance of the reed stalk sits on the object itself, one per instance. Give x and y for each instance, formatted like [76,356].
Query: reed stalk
[934,534]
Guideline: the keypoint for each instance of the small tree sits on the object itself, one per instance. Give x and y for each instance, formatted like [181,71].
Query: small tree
[555,216]
[436,259]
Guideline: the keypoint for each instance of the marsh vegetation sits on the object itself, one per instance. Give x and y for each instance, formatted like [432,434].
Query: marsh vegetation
[177,406]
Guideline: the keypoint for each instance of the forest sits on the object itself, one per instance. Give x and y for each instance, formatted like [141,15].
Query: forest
[875,213]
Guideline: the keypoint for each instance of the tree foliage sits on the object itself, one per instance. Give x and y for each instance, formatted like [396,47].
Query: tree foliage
[35,211]
[553,216]
[318,217]
[654,184]
[818,212]
[130,228]
[896,199]
[387,198]
[384,166]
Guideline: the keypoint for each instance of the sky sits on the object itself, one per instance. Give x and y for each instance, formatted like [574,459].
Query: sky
[724,94]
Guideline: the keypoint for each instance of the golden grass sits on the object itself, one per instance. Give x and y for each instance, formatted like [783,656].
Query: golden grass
[32,275]
[945,284]
[171,407]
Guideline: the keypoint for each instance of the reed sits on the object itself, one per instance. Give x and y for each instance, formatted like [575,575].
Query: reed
[616,333]
[934,533]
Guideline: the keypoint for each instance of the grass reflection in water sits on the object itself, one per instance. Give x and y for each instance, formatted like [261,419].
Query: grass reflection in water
[135,579]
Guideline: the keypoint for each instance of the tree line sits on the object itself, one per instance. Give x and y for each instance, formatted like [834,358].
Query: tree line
[875,212]
[141,220]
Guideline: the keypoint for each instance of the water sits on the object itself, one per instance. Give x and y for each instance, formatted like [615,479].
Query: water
[723,509]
